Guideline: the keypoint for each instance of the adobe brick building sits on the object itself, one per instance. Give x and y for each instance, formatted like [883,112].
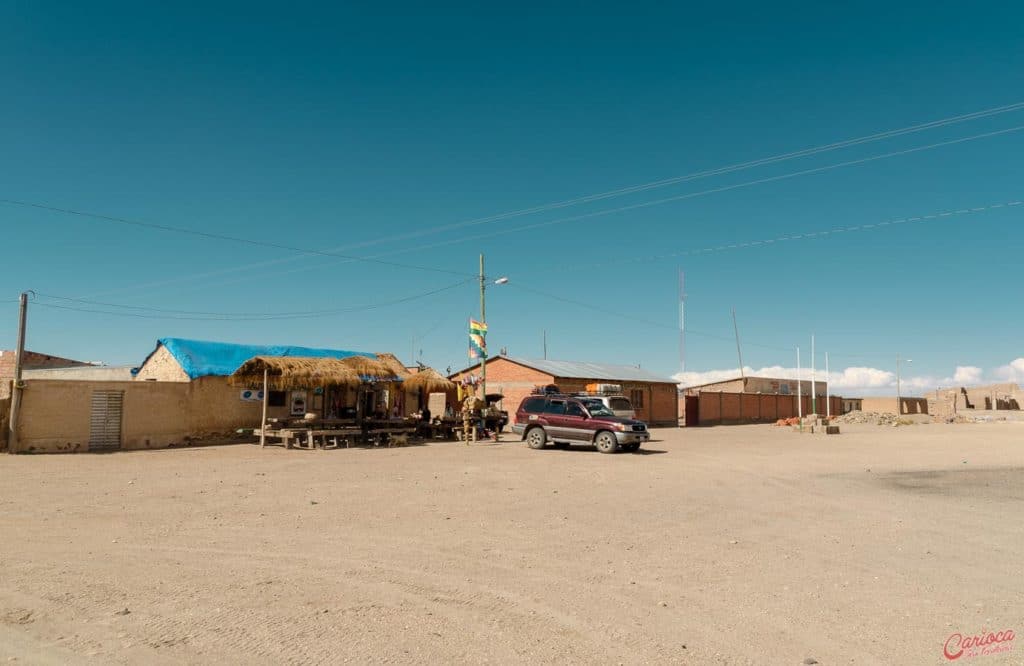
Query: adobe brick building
[653,396]
[31,361]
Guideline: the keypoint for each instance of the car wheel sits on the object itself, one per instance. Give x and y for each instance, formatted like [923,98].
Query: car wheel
[606,442]
[536,438]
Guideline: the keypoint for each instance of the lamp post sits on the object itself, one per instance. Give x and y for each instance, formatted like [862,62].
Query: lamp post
[483,320]
[899,401]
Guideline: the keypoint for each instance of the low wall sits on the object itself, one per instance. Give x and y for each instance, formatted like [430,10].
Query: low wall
[887,405]
[721,408]
[56,414]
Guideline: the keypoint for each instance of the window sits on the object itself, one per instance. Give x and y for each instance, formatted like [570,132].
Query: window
[533,405]
[555,407]
[276,399]
[574,409]
[622,404]
[637,396]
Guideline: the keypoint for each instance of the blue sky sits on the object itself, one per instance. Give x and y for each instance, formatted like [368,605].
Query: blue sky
[365,130]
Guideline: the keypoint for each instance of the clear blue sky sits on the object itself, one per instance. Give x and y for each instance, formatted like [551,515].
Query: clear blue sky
[318,126]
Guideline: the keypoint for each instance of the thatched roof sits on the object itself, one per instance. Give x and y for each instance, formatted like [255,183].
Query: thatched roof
[393,364]
[429,380]
[294,372]
[371,368]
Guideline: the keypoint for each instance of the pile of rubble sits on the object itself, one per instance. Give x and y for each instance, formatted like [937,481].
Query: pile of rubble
[877,418]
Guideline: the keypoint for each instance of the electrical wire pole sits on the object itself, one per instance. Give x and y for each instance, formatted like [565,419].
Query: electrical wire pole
[739,354]
[483,320]
[814,390]
[682,321]
[12,437]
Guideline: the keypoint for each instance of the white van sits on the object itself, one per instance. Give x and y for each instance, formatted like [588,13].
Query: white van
[619,405]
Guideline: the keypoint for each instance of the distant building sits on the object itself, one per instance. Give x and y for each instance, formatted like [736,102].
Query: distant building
[754,400]
[760,385]
[30,361]
[653,396]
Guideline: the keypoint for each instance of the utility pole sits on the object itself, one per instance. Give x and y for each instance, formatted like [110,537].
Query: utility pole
[814,390]
[799,391]
[545,334]
[828,399]
[739,354]
[483,320]
[682,321]
[12,439]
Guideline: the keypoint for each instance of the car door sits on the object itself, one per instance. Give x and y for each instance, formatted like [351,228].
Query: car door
[574,423]
[554,415]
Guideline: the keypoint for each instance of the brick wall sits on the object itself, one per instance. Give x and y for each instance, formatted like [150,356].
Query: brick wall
[721,408]
[516,381]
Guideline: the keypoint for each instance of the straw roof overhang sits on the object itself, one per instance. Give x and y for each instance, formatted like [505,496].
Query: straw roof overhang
[392,363]
[294,372]
[429,380]
[371,369]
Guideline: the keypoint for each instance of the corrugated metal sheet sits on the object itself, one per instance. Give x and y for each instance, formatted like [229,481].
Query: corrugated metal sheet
[105,420]
[582,370]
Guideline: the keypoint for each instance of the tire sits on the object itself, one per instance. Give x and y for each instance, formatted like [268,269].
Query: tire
[536,438]
[631,448]
[606,442]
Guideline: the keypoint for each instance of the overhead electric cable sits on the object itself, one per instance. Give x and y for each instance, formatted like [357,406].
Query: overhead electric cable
[157,313]
[216,236]
[646,204]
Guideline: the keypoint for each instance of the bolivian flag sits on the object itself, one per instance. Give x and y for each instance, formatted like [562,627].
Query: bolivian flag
[477,339]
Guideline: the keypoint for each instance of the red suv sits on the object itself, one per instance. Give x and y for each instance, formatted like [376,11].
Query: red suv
[562,419]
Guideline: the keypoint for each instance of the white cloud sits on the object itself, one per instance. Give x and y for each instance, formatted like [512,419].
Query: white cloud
[967,375]
[1011,372]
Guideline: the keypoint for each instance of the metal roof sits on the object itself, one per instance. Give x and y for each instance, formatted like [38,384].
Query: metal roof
[583,370]
[105,373]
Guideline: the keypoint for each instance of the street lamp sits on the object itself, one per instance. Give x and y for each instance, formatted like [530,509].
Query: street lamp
[483,320]
[899,402]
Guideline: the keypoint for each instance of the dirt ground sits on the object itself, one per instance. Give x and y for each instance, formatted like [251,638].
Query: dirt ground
[732,545]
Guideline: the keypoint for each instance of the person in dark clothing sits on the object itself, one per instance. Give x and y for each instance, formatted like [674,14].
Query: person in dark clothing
[425,415]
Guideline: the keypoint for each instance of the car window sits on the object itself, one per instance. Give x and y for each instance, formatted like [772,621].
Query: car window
[555,407]
[574,409]
[533,405]
[620,403]
[597,409]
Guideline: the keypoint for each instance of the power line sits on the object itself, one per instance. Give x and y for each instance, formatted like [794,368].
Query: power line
[741,166]
[158,313]
[725,188]
[809,235]
[216,236]
[656,202]
[554,205]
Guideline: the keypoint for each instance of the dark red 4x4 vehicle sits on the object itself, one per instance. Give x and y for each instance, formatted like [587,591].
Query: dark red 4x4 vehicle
[561,419]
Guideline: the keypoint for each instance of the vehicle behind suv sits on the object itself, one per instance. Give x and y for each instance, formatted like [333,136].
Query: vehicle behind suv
[562,419]
[616,404]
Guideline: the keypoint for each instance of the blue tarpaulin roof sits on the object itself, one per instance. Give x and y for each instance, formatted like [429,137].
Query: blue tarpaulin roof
[199,358]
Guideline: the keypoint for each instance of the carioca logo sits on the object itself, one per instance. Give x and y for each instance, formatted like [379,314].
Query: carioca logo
[957,644]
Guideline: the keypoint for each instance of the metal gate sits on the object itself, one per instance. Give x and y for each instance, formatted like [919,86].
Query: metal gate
[105,423]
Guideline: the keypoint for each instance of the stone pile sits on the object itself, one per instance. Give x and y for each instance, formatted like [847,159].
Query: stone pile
[877,418]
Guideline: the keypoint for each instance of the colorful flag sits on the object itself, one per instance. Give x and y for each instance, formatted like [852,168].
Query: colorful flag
[477,339]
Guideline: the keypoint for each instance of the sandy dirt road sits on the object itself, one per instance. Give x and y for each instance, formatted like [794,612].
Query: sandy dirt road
[729,545]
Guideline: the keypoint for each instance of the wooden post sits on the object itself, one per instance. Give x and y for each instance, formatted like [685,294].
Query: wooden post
[266,398]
